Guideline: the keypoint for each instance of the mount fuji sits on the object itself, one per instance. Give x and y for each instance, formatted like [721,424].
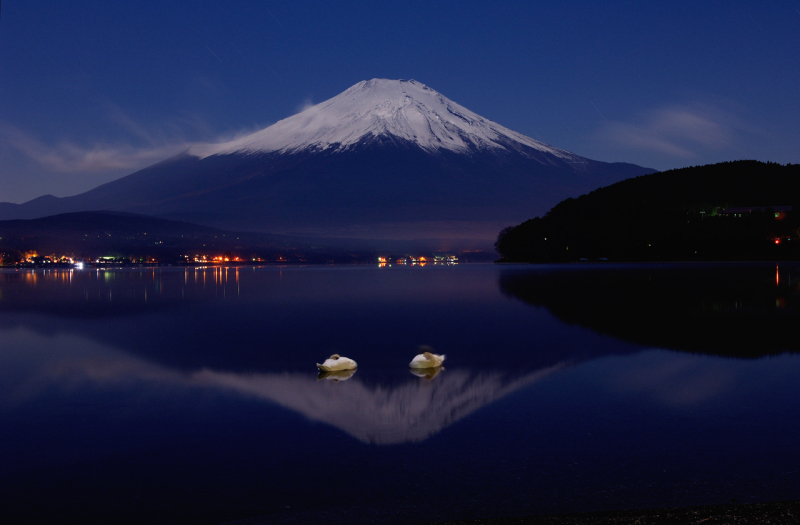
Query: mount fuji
[386,160]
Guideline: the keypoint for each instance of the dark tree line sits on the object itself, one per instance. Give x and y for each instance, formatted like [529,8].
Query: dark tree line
[672,215]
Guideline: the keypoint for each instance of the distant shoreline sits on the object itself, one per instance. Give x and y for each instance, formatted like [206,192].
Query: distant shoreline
[777,513]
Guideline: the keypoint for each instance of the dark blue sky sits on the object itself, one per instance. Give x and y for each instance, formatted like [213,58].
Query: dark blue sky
[92,90]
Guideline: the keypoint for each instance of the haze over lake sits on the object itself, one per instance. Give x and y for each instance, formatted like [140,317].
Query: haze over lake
[191,394]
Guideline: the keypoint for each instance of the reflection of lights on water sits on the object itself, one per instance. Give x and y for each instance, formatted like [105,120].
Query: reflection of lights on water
[777,277]
[31,278]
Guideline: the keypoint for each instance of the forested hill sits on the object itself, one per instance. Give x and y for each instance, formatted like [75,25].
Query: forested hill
[670,215]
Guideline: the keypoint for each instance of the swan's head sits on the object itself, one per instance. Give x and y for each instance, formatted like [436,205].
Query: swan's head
[335,357]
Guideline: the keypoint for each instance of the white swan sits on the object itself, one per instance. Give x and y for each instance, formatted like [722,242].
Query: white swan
[336,362]
[427,360]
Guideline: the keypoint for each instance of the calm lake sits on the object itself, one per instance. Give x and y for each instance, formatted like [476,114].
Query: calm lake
[192,396]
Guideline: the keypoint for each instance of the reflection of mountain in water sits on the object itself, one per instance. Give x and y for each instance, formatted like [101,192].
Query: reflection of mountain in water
[409,412]
[741,310]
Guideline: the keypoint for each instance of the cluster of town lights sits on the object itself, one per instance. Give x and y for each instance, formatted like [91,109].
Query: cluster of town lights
[218,258]
[418,261]
[33,258]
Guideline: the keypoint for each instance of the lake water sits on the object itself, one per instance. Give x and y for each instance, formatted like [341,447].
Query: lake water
[191,395]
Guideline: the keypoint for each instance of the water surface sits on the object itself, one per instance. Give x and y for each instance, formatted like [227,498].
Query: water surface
[182,395]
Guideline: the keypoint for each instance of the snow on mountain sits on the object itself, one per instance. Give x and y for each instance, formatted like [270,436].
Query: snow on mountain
[380,108]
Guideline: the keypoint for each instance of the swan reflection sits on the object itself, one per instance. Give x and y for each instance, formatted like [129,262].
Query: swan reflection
[426,373]
[335,375]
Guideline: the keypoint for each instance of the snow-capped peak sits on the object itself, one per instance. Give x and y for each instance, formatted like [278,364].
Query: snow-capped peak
[401,109]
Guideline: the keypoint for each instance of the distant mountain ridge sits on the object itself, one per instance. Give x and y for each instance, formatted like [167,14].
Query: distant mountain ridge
[126,235]
[385,159]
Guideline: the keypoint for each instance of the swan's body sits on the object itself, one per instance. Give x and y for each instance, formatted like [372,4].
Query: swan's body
[337,362]
[427,360]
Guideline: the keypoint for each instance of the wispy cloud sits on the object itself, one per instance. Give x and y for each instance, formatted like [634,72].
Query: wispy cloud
[70,157]
[681,131]
[137,145]
[307,103]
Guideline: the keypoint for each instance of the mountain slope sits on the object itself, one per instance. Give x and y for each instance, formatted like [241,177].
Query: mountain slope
[386,159]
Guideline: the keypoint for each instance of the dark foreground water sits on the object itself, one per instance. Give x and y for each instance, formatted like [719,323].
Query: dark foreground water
[191,396]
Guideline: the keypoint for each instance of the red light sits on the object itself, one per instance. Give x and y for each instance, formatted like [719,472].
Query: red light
[777,241]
